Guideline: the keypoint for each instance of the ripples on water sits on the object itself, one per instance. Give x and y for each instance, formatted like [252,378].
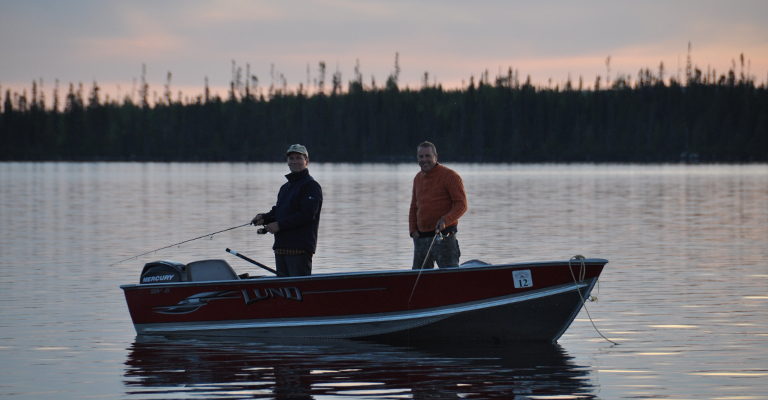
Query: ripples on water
[684,294]
[350,369]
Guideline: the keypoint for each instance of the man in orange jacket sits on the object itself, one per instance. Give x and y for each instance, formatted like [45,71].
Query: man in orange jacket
[437,203]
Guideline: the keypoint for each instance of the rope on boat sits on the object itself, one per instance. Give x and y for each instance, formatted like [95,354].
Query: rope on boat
[180,243]
[582,274]
[422,266]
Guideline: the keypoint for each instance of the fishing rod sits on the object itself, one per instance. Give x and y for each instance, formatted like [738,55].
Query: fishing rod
[437,233]
[253,262]
[180,243]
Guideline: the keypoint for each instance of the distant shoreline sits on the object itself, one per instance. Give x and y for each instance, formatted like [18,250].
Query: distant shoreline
[718,122]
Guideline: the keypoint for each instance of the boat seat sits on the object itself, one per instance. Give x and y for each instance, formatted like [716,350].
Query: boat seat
[210,270]
[474,263]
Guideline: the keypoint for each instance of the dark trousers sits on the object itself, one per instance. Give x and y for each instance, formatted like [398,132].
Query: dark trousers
[294,265]
[446,252]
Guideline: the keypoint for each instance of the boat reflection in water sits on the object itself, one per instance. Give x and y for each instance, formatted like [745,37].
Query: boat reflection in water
[163,368]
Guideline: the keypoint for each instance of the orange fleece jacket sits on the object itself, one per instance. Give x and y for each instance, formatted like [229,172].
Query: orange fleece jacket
[437,194]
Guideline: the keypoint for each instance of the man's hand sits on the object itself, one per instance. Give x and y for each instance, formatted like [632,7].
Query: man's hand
[272,228]
[415,234]
[258,220]
[440,225]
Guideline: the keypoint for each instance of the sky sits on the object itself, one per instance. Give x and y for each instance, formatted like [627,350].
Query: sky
[106,41]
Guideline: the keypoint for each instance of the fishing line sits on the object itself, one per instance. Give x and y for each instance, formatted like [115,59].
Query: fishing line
[180,243]
[582,274]
[423,264]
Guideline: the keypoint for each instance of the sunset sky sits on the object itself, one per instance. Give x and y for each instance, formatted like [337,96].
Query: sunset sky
[108,41]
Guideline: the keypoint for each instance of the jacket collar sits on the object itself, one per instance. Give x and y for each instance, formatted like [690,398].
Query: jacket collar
[437,165]
[293,177]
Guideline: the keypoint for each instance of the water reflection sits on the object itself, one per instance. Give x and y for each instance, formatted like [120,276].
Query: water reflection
[160,367]
[684,294]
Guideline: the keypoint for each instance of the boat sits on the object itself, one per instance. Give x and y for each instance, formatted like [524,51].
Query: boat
[529,301]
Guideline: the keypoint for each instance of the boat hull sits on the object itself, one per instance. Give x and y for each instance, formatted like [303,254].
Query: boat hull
[513,302]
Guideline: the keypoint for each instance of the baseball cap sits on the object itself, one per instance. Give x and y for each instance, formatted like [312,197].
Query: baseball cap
[297,148]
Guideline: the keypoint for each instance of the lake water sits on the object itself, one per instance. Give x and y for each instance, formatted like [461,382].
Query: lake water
[685,294]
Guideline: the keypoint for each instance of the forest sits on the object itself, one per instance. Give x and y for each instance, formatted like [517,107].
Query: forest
[699,117]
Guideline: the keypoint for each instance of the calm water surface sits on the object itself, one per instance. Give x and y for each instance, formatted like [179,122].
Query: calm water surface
[685,293]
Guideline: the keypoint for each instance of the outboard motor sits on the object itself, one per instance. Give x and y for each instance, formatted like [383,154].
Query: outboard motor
[163,272]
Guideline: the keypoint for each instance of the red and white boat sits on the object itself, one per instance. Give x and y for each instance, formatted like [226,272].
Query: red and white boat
[534,301]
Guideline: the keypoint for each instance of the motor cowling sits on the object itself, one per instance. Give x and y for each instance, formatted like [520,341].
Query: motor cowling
[163,272]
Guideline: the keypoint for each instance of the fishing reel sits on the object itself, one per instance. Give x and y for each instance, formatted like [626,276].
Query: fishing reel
[262,230]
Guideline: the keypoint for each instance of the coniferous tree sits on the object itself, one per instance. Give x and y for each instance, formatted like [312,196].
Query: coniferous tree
[707,117]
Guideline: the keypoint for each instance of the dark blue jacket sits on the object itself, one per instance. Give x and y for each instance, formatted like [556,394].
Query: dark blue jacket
[297,212]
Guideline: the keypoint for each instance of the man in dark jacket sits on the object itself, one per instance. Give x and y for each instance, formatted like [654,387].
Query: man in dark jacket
[295,218]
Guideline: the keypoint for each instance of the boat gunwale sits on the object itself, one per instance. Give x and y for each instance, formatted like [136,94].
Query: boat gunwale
[357,274]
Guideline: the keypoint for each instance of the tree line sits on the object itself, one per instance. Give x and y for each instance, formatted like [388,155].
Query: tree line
[704,117]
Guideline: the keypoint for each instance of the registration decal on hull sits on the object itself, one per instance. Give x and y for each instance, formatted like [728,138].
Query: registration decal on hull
[522,278]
